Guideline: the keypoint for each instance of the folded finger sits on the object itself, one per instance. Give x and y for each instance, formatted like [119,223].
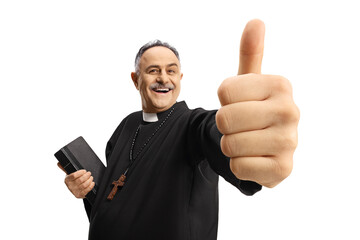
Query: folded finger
[264,142]
[75,175]
[87,183]
[247,87]
[88,189]
[244,116]
[80,180]
[264,170]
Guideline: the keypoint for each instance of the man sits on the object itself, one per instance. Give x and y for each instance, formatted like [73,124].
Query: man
[168,157]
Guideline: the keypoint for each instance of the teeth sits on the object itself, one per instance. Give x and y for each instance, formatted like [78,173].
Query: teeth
[162,90]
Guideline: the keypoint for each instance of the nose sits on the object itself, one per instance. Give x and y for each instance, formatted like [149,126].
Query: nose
[161,77]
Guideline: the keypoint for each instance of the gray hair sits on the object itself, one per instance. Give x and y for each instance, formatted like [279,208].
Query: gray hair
[156,43]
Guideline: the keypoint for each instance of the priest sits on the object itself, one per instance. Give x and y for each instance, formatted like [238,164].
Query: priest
[163,163]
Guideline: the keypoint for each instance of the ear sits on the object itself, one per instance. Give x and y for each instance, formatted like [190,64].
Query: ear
[181,76]
[134,77]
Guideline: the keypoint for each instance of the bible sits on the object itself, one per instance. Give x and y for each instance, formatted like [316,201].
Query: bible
[78,155]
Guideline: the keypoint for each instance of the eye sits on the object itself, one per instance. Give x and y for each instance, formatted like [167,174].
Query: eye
[154,70]
[171,71]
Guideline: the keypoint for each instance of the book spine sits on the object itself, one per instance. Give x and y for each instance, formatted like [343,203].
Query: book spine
[72,159]
[65,162]
[70,164]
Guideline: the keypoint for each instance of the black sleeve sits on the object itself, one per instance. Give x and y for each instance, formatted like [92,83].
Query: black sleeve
[108,150]
[204,139]
[87,206]
[113,139]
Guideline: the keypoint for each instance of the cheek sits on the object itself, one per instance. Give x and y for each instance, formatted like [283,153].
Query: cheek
[144,92]
[143,84]
[178,86]
[142,89]
[175,81]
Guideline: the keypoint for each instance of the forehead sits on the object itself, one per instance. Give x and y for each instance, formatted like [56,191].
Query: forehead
[158,56]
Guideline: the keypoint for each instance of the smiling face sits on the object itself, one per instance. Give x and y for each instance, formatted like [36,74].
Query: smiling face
[158,79]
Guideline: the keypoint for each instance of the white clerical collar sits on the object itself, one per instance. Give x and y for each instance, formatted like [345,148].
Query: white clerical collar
[150,117]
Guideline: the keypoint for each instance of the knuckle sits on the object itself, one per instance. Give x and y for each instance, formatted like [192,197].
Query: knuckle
[86,184]
[223,92]
[281,170]
[226,145]
[75,174]
[78,173]
[84,192]
[72,176]
[90,187]
[293,139]
[285,169]
[293,113]
[287,141]
[282,84]
[233,167]
[83,185]
[296,113]
[77,181]
[222,121]
[69,177]
[287,113]
[240,171]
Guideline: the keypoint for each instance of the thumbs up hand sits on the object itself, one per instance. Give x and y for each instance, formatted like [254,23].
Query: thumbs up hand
[258,116]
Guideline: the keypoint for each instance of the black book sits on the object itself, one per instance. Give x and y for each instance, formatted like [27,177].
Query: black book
[79,155]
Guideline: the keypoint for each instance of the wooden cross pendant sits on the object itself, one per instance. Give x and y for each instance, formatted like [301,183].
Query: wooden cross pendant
[119,183]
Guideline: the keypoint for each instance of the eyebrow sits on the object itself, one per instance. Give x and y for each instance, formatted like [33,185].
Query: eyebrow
[158,66]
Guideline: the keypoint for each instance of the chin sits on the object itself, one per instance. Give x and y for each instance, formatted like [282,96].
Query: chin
[162,105]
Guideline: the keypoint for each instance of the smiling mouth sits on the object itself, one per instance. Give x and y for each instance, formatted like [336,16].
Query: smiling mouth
[162,90]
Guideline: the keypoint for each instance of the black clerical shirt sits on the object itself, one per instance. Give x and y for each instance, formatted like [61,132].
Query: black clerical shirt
[171,189]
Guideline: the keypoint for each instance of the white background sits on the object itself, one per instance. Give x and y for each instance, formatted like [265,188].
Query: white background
[65,71]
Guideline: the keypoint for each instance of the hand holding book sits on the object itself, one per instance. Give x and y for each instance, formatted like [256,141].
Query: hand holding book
[79,183]
[83,168]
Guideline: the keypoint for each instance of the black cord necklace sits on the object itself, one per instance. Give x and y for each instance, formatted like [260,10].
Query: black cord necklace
[121,181]
[132,159]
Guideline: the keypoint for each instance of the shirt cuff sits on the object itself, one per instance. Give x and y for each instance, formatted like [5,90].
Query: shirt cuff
[249,188]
